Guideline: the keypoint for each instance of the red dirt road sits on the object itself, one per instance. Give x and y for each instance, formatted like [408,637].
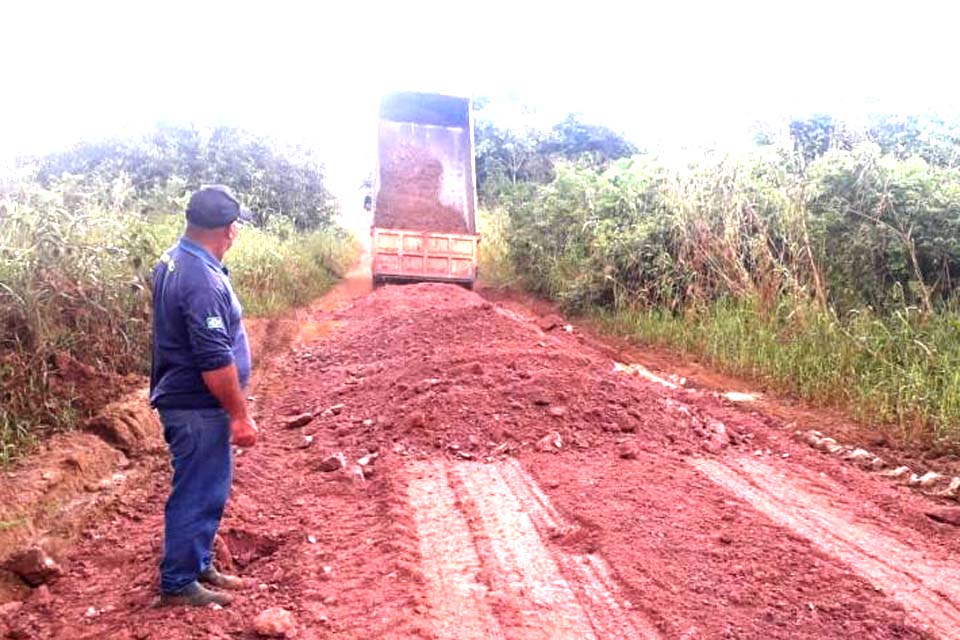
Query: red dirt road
[523,487]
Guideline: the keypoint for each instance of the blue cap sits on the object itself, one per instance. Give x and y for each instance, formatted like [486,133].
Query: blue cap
[213,206]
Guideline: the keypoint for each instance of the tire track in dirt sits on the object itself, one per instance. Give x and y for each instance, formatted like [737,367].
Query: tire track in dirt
[588,574]
[490,575]
[450,561]
[928,587]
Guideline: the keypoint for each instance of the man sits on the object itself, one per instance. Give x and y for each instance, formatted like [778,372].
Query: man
[201,365]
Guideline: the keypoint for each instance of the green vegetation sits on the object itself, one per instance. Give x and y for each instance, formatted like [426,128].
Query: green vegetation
[901,370]
[823,261]
[77,249]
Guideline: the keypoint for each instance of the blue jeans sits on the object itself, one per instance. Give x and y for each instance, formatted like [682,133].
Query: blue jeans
[199,442]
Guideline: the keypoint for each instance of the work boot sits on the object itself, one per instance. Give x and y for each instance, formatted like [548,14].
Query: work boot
[195,595]
[219,580]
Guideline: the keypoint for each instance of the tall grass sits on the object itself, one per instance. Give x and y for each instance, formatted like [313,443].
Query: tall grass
[75,282]
[900,371]
[271,273]
[495,267]
[835,280]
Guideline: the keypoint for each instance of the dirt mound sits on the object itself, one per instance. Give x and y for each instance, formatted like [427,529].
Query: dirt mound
[87,388]
[129,424]
[438,367]
[658,512]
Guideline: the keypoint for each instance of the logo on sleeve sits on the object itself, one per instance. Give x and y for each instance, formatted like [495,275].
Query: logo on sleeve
[215,323]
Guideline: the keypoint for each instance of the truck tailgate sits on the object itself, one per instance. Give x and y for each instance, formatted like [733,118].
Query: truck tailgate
[400,254]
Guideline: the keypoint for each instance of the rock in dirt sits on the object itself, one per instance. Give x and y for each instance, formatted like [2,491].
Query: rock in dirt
[299,420]
[557,412]
[824,444]
[275,622]
[34,566]
[717,437]
[946,515]
[550,443]
[952,490]
[897,474]
[552,321]
[930,479]
[368,459]
[335,410]
[333,462]
[628,450]
[859,456]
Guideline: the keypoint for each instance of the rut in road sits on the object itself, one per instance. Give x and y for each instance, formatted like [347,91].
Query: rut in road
[491,575]
[926,585]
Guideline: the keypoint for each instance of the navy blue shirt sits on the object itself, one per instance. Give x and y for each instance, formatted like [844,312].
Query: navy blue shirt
[197,327]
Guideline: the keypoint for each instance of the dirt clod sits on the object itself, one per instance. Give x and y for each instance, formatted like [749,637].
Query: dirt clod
[275,622]
[333,462]
[550,322]
[299,420]
[628,450]
[335,410]
[550,443]
[34,566]
[416,420]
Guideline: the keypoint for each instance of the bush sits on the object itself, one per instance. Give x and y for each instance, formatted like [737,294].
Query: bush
[834,276]
[899,370]
[75,286]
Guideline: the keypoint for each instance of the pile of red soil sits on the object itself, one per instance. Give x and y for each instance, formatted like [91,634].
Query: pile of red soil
[435,366]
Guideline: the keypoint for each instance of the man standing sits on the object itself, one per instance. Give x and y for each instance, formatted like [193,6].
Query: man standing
[201,365]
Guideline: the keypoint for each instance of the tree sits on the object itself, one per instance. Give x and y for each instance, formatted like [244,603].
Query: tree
[935,139]
[507,157]
[574,139]
[272,182]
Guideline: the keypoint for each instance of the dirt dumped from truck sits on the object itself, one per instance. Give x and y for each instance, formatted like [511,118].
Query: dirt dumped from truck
[410,193]
[432,465]
[453,372]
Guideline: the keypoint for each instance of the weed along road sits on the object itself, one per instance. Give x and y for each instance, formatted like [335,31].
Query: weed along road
[436,465]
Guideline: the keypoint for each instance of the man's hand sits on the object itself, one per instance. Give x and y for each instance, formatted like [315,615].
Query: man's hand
[225,387]
[243,432]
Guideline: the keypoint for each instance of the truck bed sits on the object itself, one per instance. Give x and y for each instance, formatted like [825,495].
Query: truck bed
[424,226]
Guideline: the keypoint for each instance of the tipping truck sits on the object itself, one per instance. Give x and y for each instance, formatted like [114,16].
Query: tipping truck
[425,200]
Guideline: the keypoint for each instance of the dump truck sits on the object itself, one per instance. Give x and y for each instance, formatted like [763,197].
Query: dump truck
[424,207]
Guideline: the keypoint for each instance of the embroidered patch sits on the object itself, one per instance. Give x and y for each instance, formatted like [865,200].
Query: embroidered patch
[214,322]
[167,260]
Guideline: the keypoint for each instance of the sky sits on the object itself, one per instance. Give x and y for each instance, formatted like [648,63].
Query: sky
[664,73]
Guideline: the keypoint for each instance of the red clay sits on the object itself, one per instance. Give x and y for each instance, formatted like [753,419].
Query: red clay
[448,390]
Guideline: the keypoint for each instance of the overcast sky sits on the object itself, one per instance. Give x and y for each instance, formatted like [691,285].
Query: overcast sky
[671,72]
